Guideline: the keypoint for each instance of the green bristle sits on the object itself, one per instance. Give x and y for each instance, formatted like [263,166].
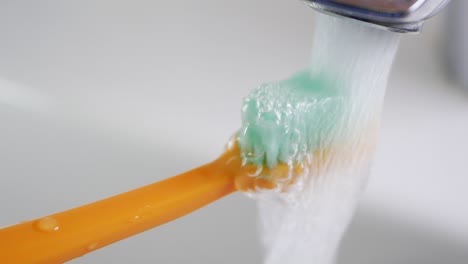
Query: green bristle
[284,121]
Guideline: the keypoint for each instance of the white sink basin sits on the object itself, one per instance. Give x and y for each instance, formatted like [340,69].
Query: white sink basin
[99,99]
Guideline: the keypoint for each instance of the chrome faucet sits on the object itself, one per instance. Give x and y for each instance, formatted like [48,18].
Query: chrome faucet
[403,16]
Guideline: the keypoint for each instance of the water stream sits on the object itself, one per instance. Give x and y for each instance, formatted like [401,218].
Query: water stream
[355,59]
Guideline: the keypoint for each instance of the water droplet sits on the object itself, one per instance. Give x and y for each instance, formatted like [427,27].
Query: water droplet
[231,142]
[255,157]
[231,160]
[265,184]
[253,170]
[92,246]
[250,155]
[47,224]
[282,173]
[135,218]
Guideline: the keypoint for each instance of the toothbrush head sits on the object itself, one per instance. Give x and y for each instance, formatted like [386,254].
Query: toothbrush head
[286,126]
[394,15]
[283,122]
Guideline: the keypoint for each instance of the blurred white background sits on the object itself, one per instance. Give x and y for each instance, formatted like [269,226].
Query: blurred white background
[99,97]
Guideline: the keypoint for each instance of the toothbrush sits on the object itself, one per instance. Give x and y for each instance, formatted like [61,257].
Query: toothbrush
[63,236]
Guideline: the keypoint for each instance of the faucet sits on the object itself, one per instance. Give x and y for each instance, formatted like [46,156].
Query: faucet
[404,16]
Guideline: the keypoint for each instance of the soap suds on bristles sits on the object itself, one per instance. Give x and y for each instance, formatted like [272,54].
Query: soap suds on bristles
[323,121]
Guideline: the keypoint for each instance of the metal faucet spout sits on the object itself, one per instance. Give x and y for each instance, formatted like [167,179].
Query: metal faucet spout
[404,16]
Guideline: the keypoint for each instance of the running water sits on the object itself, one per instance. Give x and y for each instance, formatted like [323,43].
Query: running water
[357,59]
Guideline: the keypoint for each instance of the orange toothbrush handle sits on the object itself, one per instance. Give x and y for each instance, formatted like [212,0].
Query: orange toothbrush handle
[70,234]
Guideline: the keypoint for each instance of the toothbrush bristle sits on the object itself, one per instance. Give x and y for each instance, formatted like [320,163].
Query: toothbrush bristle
[284,122]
